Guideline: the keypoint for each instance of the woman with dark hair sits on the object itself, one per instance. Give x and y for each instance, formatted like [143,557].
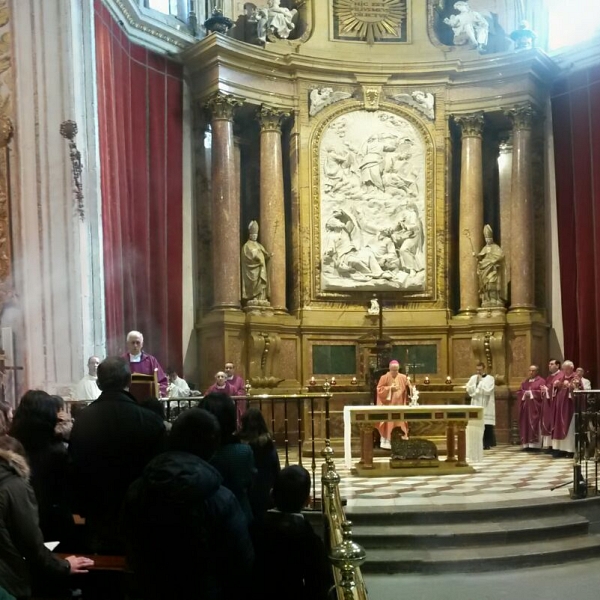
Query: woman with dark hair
[23,557]
[255,433]
[34,425]
[233,460]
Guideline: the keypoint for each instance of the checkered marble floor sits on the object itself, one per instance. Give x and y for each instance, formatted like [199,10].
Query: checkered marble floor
[506,473]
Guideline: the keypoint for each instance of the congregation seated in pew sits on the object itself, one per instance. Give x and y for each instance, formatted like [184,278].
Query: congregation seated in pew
[26,565]
[187,536]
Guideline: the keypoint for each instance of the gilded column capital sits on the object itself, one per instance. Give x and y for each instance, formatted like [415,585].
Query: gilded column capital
[6,130]
[271,118]
[222,106]
[522,116]
[471,125]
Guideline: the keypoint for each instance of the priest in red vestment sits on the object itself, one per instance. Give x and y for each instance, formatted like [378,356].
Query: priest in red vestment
[392,389]
[548,396]
[529,399]
[143,363]
[563,435]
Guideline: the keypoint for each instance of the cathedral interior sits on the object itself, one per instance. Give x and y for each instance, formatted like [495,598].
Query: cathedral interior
[419,174]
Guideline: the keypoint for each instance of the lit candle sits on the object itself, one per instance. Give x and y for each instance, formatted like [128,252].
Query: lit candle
[448,379]
[333,381]
[426,380]
[354,381]
[312,380]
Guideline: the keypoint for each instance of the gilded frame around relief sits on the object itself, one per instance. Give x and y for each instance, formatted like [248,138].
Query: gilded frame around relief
[335,280]
[371,21]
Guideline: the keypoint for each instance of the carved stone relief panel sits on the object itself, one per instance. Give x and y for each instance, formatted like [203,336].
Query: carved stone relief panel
[373,203]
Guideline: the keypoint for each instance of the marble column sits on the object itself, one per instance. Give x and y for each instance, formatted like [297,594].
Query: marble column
[505,160]
[471,208]
[225,203]
[58,315]
[272,210]
[522,217]
[295,192]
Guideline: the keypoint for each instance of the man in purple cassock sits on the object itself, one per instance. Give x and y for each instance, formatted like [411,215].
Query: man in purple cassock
[549,391]
[238,387]
[529,399]
[563,434]
[235,381]
[143,363]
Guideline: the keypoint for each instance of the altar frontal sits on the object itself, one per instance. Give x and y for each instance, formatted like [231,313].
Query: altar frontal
[464,426]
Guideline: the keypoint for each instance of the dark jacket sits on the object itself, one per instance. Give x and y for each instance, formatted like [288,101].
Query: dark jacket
[186,534]
[291,558]
[23,556]
[113,439]
[235,463]
[267,466]
[50,480]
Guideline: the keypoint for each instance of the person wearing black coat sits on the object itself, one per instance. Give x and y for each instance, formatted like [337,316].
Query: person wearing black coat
[291,560]
[112,441]
[187,536]
[34,426]
[255,433]
[23,557]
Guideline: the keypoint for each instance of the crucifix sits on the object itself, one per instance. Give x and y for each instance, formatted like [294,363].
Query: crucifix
[411,366]
[382,349]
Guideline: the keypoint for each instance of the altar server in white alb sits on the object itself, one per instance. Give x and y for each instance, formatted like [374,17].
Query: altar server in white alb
[481,389]
[87,388]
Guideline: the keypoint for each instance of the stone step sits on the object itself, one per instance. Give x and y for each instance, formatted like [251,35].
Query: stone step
[467,534]
[483,558]
[467,513]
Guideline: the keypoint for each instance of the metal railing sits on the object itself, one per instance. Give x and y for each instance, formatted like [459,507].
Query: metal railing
[587,443]
[345,555]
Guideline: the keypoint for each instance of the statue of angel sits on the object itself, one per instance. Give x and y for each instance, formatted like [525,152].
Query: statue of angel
[423,101]
[322,97]
[275,19]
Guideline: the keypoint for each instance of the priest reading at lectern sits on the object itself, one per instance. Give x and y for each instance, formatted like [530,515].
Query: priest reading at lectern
[392,389]
[143,363]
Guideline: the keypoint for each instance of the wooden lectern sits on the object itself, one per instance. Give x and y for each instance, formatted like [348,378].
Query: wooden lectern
[144,386]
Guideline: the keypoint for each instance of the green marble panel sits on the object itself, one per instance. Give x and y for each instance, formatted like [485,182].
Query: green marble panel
[421,358]
[334,360]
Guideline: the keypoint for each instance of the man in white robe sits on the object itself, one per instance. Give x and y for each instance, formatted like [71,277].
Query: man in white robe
[481,390]
[178,387]
[586,384]
[87,388]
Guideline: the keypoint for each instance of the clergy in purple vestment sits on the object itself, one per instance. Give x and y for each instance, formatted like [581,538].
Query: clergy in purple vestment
[529,398]
[220,386]
[548,396]
[143,363]
[235,381]
[563,435]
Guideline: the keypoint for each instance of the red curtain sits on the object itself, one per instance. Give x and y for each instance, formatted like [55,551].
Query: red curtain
[576,121]
[140,98]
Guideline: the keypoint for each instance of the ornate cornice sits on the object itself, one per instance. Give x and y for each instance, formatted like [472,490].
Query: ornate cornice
[470,125]
[271,118]
[160,33]
[522,116]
